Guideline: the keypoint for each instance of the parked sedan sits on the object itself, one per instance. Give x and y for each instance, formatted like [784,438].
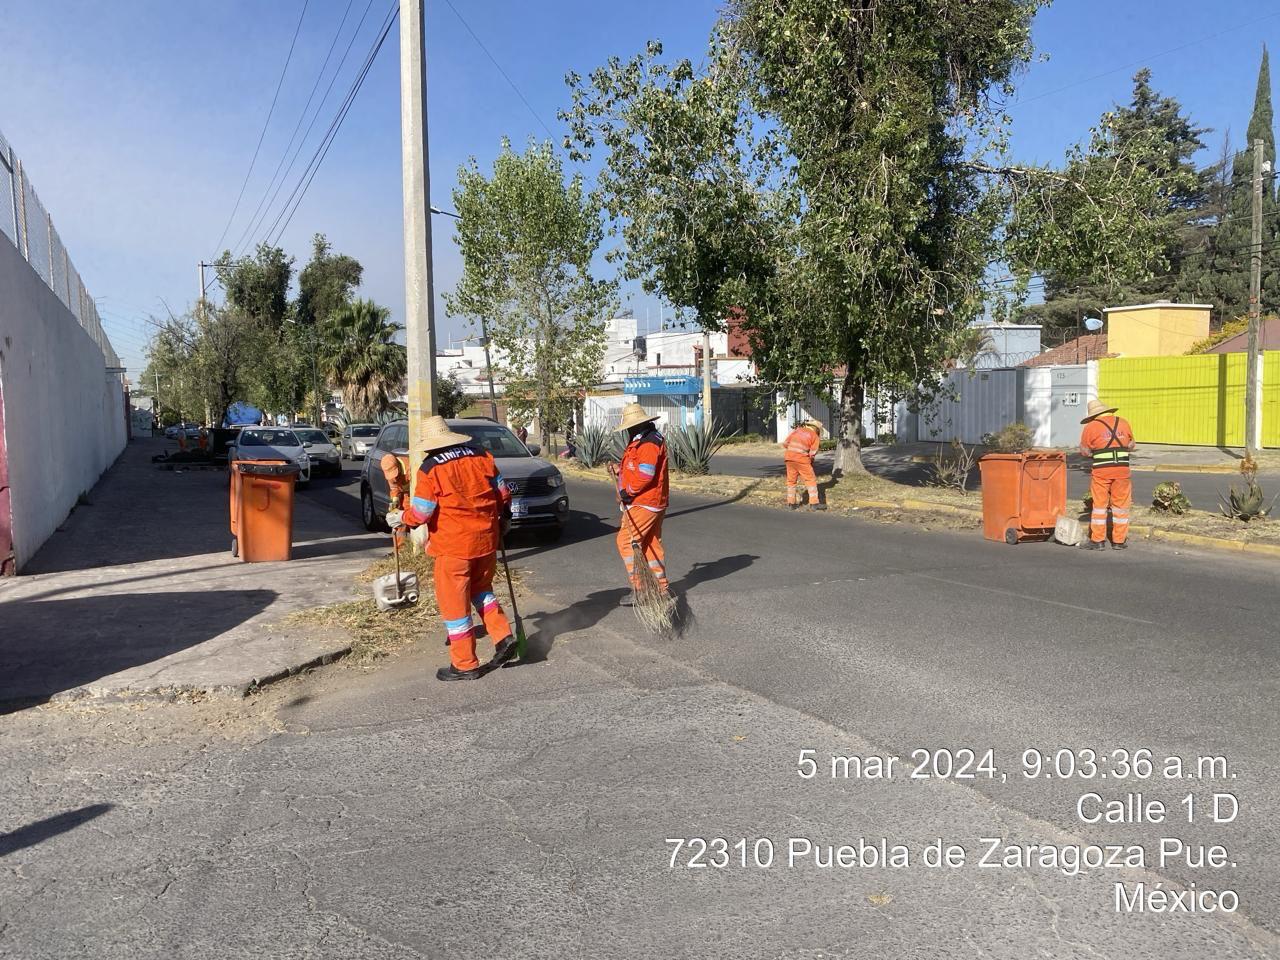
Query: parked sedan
[357,438]
[325,458]
[271,443]
[539,501]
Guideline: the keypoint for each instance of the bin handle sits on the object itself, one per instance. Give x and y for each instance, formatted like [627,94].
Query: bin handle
[263,492]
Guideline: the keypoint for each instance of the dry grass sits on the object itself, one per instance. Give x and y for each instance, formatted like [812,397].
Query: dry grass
[867,495]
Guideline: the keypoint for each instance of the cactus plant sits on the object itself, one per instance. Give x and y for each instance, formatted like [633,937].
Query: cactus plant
[1169,498]
[691,448]
[597,444]
[1249,504]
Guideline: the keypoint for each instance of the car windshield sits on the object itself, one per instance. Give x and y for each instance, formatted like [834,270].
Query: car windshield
[268,438]
[311,436]
[366,430]
[497,440]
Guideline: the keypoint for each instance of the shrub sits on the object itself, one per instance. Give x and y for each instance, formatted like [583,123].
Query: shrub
[742,438]
[951,470]
[1169,498]
[691,448]
[597,444]
[1013,438]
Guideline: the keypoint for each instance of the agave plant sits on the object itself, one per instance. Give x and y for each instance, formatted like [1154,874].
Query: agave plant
[596,444]
[1169,498]
[1251,503]
[691,448]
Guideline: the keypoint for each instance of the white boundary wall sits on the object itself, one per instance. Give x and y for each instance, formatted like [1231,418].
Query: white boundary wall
[64,418]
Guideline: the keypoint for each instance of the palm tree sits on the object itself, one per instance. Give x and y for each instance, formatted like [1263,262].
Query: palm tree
[362,357]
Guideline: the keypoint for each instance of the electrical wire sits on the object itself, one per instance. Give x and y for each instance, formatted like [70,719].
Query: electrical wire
[266,123]
[249,227]
[498,66]
[281,223]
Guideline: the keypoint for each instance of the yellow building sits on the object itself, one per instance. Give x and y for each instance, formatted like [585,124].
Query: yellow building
[1156,329]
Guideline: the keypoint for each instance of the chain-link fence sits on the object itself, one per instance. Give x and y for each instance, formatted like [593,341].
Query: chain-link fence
[24,220]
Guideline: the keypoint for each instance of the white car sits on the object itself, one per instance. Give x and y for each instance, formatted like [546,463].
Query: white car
[357,438]
[325,458]
[271,443]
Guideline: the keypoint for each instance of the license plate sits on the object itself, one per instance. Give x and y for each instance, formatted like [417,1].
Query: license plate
[519,508]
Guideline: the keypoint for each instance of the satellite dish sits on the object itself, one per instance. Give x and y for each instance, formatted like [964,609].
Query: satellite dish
[1092,324]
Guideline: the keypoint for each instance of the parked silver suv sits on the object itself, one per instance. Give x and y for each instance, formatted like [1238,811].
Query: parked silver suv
[539,501]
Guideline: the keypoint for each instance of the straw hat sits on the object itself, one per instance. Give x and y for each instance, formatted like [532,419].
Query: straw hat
[1096,409]
[816,424]
[436,435]
[633,415]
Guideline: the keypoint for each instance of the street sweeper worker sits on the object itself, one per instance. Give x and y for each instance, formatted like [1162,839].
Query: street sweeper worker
[396,472]
[643,493]
[798,451]
[461,498]
[1107,441]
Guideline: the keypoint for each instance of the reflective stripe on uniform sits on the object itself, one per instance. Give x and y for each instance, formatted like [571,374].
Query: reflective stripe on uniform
[459,627]
[423,507]
[484,601]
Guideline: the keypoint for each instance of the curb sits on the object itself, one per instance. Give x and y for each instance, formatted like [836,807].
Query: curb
[1185,468]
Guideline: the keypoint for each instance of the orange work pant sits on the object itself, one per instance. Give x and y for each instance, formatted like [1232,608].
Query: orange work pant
[645,528]
[460,584]
[801,470]
[1111,487]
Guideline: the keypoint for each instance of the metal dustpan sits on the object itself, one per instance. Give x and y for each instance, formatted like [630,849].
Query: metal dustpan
[397,589]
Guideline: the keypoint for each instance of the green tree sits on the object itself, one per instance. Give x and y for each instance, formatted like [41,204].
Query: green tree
[1153,132]
[257,285]
[1219,274]
[202,359]
[450,399]
[326,283]
[527,240]
[362,357]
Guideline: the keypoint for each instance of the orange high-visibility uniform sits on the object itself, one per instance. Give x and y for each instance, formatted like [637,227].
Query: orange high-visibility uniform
[644,490]
[396,470]
[799,449]
[204,439]
[1109,438]
[460,496]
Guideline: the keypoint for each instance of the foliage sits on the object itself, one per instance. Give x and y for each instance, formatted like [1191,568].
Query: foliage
[952,471]
[684,177]
[203,358]
[597,444]
[527,240]
[1011,438]
[326,283]
[450,399]
[361,356]
[1169,498]
[1228,330]
[1150,143]
[257,285]
[742,438]
[1250,503]
[691,448]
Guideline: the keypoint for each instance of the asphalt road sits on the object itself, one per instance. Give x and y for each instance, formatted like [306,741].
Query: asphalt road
[377,813]
[1202,489]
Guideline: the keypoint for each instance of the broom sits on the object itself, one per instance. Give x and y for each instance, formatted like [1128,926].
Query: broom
[655,608]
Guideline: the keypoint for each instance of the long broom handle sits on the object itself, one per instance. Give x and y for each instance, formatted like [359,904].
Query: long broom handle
[626,512]
[515,611]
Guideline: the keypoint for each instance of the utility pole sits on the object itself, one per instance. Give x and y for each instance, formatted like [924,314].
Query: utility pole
[419,295]
[706,381]
[1251,432]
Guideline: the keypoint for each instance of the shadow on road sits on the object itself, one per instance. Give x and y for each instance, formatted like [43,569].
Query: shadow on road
[42,830]
[52,646]
[740,495]
[583,615]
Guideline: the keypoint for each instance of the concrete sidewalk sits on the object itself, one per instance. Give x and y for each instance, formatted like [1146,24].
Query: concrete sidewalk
[138,594]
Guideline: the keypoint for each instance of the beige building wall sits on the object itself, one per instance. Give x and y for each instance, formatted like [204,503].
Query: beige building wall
[1156,329]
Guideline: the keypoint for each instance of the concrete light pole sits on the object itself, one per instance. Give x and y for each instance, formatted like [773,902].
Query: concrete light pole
[419,294]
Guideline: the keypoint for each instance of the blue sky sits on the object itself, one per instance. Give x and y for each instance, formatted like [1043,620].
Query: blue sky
[136,119]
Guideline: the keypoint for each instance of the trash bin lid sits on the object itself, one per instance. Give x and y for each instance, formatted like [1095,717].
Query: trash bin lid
[251,468]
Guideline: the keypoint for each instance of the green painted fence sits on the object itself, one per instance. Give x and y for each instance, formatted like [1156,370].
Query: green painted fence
[1191,400]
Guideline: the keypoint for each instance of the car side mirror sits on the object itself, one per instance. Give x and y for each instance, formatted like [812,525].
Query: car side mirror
[534,448]
[308,444]
[402,452]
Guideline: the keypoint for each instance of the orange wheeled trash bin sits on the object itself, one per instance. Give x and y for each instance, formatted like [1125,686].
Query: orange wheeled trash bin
[262,509]
[1023,494]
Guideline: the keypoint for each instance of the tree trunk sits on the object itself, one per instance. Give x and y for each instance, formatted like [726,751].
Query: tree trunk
[849,427]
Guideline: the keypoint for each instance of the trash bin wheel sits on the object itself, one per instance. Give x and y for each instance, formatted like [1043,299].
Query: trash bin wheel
[1011,536]
[235,547]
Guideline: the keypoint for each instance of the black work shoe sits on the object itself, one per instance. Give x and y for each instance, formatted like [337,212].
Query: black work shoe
[818,506]
[793,506]
[504,651]
[628,601]
[1095,545]
[453,673]
[1120,546]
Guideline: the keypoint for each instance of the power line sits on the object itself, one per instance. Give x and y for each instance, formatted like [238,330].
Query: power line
[277,228]
[1143,62]
[301,116]
[494,60]
[266,123]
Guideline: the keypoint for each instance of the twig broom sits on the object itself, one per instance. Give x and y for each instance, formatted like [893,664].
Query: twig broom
[654,607]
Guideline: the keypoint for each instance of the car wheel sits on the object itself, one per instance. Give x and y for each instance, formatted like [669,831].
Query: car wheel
[368,514]
[235,547]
